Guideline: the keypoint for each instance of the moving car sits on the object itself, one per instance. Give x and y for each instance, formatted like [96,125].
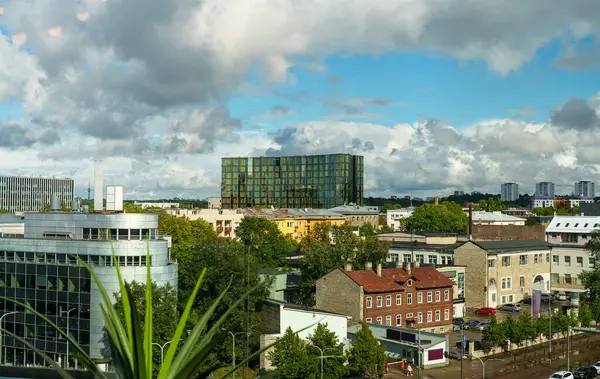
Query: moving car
[470,324]
[585,372]
[454,355]
[561,375]
[485,311]
[597,366]
[511,308]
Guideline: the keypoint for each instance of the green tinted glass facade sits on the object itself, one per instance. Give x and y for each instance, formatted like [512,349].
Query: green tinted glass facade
[316,181]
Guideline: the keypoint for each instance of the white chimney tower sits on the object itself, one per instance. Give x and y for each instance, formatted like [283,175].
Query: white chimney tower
[98,187]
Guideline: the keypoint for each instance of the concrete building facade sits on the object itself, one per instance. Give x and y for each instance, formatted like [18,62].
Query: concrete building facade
[544,189]
[395,217]
[509,192]
[225,221]
[357,215]
[502,272]
[585,188]
[40,268]
[30,194]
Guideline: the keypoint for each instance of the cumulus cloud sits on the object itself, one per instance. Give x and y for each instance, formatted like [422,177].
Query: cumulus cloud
[576,114]
[145,83]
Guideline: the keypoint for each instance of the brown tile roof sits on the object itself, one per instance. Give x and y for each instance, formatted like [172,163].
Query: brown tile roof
[424,277]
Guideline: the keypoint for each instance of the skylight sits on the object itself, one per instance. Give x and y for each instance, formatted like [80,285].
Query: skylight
[576,225]
[558,224]
[586,224]
[567,225]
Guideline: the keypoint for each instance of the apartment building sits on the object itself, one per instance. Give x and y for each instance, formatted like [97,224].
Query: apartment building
[296,223]
[509,192]
[567,202]
[357,215]
[414,297]
[225,221]
[544,189]
[495,218]
[395,216]
[503,272]
[585,188]
[568,236]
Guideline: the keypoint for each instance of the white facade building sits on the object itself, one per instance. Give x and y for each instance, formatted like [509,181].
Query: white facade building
[568,236]
[145,205]
[214,202]
[495,218]
[585,188]
[544,189]
[509,192]
[225,221]
[549,201]
[11,225]
[395,215]
[277,316]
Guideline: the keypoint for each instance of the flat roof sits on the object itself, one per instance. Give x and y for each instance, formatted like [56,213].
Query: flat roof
[301,308]
[428,339]
[507,246]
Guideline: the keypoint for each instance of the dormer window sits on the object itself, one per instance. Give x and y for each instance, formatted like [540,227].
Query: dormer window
[409,282]
[586,224]
[576,225]
[567,225]
[557,224]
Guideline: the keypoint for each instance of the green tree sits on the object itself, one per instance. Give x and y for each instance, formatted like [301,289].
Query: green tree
[385,229]
[366,356]
[591,278]
[513,331]
[543,211]
[531,221]
[265,240]
[560,322]
[585,315]
[164,312]
[527,326]
[366,230]
[493,204]
[290,356]
[45,208]
[326,340]
[494,333]
[130,207]
[185,234]
[445,217]
[542,325]
[4,211]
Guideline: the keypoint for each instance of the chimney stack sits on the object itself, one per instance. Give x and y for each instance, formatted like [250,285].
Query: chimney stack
[379,269]
[407,268]
[417,264]
[470,221]
[399,263]
[368,266]
[348,266]
[98,187]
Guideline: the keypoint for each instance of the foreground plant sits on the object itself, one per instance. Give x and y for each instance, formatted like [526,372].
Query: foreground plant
[131,344]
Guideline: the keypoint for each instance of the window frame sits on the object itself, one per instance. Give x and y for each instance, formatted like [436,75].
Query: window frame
[429,297]
[369,302]
[388,300]
[379,301]
[419,297]
[438,296]
[446,295]
[398,299]
[446,314]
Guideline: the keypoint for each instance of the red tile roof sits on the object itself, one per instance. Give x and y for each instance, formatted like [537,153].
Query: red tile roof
[423,277]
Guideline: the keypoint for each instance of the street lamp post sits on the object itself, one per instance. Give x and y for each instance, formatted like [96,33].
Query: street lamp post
[484,363]
[162,350]
[321,351]
[68,318]
[233,352]
[1,336]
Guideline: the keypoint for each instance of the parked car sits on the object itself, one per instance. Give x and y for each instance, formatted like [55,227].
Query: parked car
[470,324]
[597,366]
[511,308]
[457,323]
[547,297]
[561,375]
[561,296]
[481,326]
[585,372]
[485,311]
[454,355]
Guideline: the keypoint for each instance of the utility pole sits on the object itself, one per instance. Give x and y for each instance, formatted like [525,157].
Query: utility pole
[419,355]
[462,346]
[569,349]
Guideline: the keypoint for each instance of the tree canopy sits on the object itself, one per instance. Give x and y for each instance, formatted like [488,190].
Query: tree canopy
[292,359]
[326,340]
[444,217]
[492,204]
[265,240]
[366,356]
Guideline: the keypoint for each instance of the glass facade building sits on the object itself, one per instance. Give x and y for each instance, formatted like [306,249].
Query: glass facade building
[315,181]
[40,269]
[23,194]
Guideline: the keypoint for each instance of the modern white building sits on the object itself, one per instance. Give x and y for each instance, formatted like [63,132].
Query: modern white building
[568,236]
[277,317]
[31,194]
[225,221]
[495,218]
[554,201]
[509,192]
[585,188]
[544,189]
[11,225]
[40,268]
[214,202]
[394,216]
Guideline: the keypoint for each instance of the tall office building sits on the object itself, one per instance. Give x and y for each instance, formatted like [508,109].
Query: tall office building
[29,194]
[544,189]
[316,181]
[39,268]
[509,192]
[585,188]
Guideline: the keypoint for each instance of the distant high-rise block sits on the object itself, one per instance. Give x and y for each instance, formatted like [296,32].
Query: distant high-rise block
[585,188]
[314,181]
[544,189]
[509,192]
[30,194]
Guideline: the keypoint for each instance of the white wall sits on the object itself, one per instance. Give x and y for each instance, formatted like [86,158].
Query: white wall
[299,319]
[427,362]
[12,229]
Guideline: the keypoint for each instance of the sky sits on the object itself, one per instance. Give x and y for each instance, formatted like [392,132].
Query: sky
[437,95]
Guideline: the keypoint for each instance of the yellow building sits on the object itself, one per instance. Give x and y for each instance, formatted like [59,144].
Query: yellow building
[296,223]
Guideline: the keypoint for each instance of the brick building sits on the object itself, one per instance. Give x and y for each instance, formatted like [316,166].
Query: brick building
[415,297]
